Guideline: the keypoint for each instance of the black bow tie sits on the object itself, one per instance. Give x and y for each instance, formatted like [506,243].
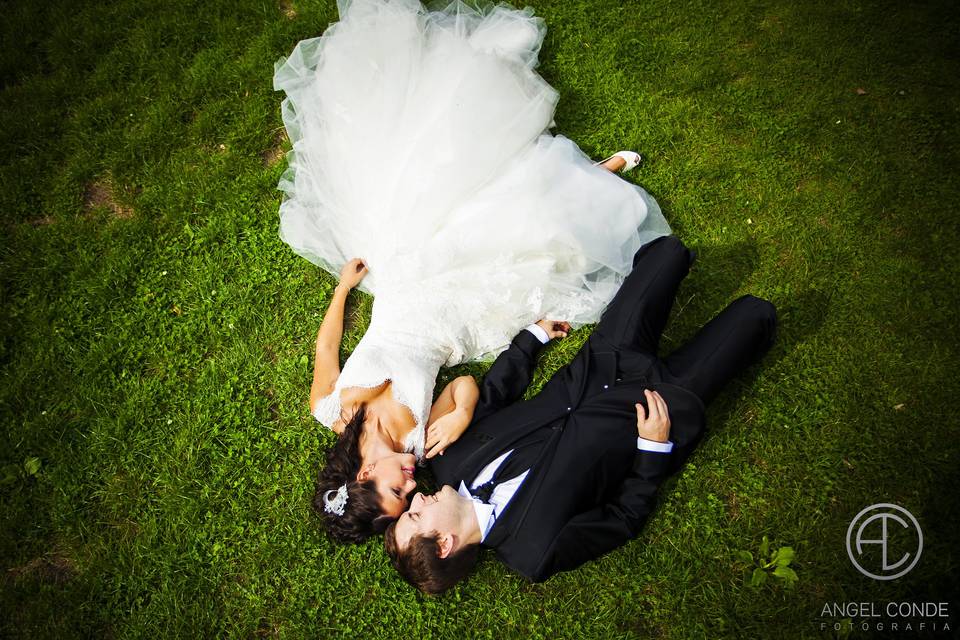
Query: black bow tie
[524,456]
[484,491]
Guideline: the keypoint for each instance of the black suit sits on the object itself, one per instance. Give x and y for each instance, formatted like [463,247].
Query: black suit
[590,489]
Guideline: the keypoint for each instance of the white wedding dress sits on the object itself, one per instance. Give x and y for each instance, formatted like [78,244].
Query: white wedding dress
[420,145]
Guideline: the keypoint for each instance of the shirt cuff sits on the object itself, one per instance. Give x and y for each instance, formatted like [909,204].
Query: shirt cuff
[644,444]
[538,331]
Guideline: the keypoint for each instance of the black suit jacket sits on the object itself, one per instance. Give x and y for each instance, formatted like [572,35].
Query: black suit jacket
[591,489]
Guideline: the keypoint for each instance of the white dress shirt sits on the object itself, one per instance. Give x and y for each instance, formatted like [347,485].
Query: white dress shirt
[488,512]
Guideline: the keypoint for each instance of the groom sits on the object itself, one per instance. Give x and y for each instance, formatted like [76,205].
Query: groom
[572,473]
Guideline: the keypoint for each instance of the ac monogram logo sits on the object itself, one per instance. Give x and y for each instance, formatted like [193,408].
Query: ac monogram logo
[883,513]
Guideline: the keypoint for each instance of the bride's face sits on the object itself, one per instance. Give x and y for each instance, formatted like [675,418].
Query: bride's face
[393,476]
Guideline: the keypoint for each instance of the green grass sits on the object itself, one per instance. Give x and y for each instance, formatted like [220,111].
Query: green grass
[156,331]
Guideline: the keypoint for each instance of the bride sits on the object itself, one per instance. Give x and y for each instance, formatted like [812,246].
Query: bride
[420,144]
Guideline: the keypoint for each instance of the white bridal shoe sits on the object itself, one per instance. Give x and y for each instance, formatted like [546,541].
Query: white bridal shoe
[631,158]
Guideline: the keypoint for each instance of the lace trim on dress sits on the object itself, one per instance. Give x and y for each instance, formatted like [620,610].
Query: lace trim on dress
[328,410]
[415,440]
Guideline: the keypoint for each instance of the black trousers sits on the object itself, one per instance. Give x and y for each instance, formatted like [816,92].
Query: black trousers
[635,318]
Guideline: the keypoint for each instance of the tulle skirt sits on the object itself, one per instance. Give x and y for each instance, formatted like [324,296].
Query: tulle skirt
[420,144]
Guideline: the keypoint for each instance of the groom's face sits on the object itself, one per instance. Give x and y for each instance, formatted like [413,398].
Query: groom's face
[437,513]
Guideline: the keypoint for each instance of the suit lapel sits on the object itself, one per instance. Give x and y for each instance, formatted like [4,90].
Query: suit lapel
[494,446]
[515,512]
[579,368]
[604,364]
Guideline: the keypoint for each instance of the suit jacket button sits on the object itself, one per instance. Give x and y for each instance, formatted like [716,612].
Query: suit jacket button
[569,408]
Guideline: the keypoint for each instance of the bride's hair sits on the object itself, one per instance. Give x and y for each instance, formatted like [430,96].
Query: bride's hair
[362,516]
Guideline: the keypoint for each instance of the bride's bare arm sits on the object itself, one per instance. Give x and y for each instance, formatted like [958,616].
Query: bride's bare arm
[451,414]
[326,366]
[460,393]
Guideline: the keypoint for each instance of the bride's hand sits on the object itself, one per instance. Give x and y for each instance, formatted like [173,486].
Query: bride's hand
[352,273]
[446,430]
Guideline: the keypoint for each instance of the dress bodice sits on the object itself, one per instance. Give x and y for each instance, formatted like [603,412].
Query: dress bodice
[408,357]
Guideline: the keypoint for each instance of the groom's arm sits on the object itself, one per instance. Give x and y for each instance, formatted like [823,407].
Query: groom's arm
[512,371]
[593,533]
[510,374]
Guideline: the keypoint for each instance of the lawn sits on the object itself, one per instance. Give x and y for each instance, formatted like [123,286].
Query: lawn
[157,455]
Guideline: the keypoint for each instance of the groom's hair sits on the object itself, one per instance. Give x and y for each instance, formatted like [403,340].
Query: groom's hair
[420,563]
[362,515]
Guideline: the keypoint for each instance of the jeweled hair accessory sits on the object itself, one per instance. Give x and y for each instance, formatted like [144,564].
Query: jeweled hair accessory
[336,504]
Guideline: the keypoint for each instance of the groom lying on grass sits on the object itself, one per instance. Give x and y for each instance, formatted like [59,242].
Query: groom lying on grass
[572,473]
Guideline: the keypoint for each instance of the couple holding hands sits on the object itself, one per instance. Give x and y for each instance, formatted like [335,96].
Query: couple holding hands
[420,142]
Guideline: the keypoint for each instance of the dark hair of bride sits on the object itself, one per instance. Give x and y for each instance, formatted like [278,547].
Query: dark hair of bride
[362,515]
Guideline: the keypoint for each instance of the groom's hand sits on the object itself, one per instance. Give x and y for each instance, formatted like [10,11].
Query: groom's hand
[654,423]
[555,328]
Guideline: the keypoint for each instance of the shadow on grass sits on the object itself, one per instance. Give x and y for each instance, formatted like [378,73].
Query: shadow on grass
[797,320]
[718,273]
[938,517]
